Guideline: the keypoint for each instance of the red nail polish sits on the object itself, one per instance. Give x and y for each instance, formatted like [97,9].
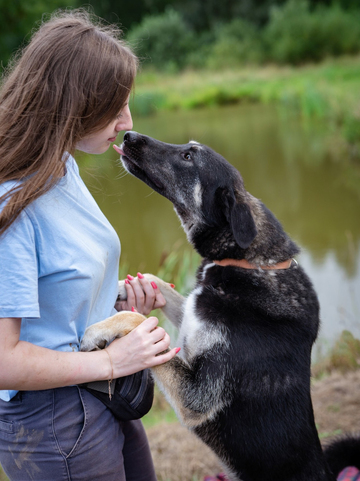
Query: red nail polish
[154,285]
[130,277]
[172,285]
[177,349]
[140,276]
[127,282]
[133,309]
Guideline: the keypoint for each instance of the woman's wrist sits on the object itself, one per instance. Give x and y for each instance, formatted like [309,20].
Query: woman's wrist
[111,376]
[103,368]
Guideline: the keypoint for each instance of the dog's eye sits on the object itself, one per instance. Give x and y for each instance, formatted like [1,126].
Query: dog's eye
[187,156]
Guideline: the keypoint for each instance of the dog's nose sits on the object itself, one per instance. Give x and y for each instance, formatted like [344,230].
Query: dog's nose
[133,137]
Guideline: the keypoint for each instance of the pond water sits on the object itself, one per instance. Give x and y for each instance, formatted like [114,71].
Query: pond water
[284,163]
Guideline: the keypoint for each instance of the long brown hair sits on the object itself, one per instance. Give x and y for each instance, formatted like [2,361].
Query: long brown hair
[72,79]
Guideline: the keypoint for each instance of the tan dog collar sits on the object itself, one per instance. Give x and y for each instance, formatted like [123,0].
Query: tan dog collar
[244,264]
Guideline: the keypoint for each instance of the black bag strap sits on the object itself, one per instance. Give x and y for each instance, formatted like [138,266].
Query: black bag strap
[101,386]
[131,396]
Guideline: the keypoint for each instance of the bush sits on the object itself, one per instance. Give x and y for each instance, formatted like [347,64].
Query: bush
[296,34]
[163,41]
[341,30]
[201,50]
[236,43]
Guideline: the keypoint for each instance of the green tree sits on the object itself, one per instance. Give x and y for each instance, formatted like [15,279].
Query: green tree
[18,18]
[207,14]
[296,33]
[129,14]
[163,40]
[237,42]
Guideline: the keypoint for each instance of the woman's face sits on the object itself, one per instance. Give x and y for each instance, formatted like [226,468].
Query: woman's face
[99,142]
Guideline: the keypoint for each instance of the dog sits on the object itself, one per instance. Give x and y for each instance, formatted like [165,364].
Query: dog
[241,382]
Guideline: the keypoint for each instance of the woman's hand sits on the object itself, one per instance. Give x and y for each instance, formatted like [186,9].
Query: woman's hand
[142,295]
[146,346]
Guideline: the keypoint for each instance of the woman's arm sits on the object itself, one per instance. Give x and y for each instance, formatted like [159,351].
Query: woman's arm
[25,366]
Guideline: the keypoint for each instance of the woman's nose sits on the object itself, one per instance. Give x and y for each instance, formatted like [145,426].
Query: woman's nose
[125,122]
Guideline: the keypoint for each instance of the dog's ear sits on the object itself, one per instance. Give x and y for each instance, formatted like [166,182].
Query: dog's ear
[240,219]
[243,225]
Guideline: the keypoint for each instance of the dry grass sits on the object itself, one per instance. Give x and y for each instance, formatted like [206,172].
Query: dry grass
[179,455]
[336,400]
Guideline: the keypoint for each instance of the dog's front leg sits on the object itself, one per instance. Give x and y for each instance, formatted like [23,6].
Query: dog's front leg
[102,333]
[191,395]
[173,309]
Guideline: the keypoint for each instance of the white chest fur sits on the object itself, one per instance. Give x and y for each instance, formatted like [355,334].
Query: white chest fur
[196,335]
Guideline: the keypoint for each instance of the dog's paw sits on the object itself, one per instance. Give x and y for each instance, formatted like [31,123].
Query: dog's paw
[99,335]
[95,338]
[122,295]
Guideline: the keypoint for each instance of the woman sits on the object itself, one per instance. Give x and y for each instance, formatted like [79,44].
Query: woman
[59,261]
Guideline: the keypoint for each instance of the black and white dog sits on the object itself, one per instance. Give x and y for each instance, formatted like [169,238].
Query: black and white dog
[242,382]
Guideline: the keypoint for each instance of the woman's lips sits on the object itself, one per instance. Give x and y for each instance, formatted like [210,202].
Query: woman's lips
[112,139]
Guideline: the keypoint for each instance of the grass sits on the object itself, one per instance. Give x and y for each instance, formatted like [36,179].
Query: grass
[343,357]
[328,91]
[161,412]
[331,434]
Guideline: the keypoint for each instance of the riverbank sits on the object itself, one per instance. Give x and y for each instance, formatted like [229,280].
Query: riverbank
[327,92]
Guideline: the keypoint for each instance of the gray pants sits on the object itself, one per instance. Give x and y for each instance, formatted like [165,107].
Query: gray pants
[67,434]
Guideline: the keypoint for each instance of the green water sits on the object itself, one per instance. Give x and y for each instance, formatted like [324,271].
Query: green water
[288,165]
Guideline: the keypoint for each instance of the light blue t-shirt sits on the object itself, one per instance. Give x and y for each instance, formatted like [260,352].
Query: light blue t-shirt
[58,266]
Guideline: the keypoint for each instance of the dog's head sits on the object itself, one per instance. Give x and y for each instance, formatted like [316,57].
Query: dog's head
[207,192]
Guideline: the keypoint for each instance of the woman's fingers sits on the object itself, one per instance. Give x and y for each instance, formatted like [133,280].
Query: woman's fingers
[148,345]
[154,338]
[150,293]
[158,334]
[130,298]
[142,294]
[154,297]
[166,356]
[149,324]
[138,293]
[159,298]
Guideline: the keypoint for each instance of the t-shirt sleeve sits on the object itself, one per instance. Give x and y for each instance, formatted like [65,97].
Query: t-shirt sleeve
[19,270]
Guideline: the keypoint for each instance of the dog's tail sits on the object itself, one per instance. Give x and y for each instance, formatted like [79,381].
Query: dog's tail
[342,453]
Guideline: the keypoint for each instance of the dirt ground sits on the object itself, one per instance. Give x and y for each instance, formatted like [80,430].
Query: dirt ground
[180,456]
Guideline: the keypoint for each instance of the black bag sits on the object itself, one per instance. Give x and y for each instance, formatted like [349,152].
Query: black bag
[131,396]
